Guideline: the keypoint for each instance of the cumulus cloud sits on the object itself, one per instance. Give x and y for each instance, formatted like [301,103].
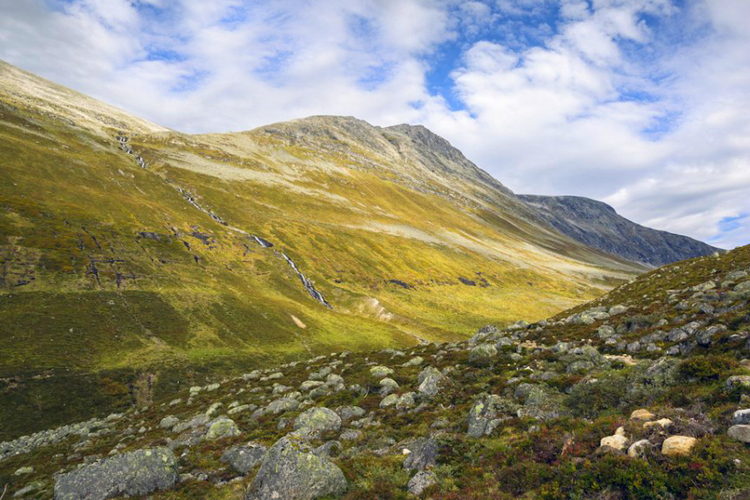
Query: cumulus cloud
[640,103]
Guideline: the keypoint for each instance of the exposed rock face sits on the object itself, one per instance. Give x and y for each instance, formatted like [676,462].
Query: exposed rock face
[136,473]
[598,225]
[292,471]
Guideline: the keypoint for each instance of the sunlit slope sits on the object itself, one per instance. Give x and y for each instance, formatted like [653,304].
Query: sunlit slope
[108,266]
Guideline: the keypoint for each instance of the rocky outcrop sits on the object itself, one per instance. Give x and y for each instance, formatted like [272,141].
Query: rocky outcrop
[596,224]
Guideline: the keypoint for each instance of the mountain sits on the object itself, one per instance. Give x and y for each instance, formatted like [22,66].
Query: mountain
[596,224]
[642,393]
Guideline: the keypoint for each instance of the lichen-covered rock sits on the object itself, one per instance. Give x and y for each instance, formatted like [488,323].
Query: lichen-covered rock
[136,473]
[543,403]
[222,427]
[317,420]
[387,386]
[430,381]
[422,453]
[483,415]
[350,412]
[168,422]
[741,417]
[642,414]
[421,481]
[482,354]
[291,471]
[243,458]
[736,381]
[678,445]
[380,372]
[640,449]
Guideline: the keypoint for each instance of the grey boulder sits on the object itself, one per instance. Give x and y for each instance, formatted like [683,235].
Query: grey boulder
[244,458]
[292,471]
[136,473]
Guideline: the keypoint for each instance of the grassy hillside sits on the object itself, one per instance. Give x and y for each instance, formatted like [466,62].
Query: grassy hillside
[119,283]
[641,394]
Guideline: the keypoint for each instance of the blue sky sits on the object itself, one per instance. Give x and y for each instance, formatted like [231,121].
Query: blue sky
[640,103]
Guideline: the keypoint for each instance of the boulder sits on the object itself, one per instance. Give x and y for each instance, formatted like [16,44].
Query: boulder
[422,454]
[640,449]
[617,441]
[168,422]
[662,424]
[741,417]
[421,481]
[642,414]
[387,386]
[740,432]
[483,415]
[737,381]
[131,474]
[317,420]
[291,471]
[380,372]
[222,427]
[430,380]
[482,355]
[678,445]
[243,458]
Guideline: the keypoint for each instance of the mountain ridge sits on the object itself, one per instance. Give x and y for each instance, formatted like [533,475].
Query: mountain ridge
[597,224]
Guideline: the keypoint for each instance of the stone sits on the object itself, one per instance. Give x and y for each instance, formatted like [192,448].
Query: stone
[222,427]
[380,372]
[741,417]
[421,454]
[740,432]
[309,385]
[406,401]
[387,386]
[389,400]
[662,423]
[642,414]
[678,445]
[617,309]
[420,482]
[483,415]
[617,441]
[130,474]
[291,471]
[482,355]
[168,422]
[640,449]
[415,361]
[243,458]
[350,435]
[316,420]
[430,381]
[22,471]
[349,412]
[736,381]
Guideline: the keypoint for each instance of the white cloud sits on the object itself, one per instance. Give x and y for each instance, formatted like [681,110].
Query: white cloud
[566,115]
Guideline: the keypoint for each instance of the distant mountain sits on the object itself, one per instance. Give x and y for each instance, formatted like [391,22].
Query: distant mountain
[598,225]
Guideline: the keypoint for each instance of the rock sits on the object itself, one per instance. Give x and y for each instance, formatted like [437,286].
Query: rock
[316,420]
[406,401]
[29,488]
[243,458]
[380,372]
[741,417]
[422,454]
[617,441]
[640,449]
[483,416]
[389,400]
[308,385]
[349,412]
[642,414]
[678,445]
[736,381]
[350,435]
[136,473]
[415,361]
[662,423]
[168,422]
[279,406]
[617,309]
[430,380]
[482,355]
[222,427]
[543,403]
[387,386]
[328,449]
[421,481]
[740,432]
[291,471]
